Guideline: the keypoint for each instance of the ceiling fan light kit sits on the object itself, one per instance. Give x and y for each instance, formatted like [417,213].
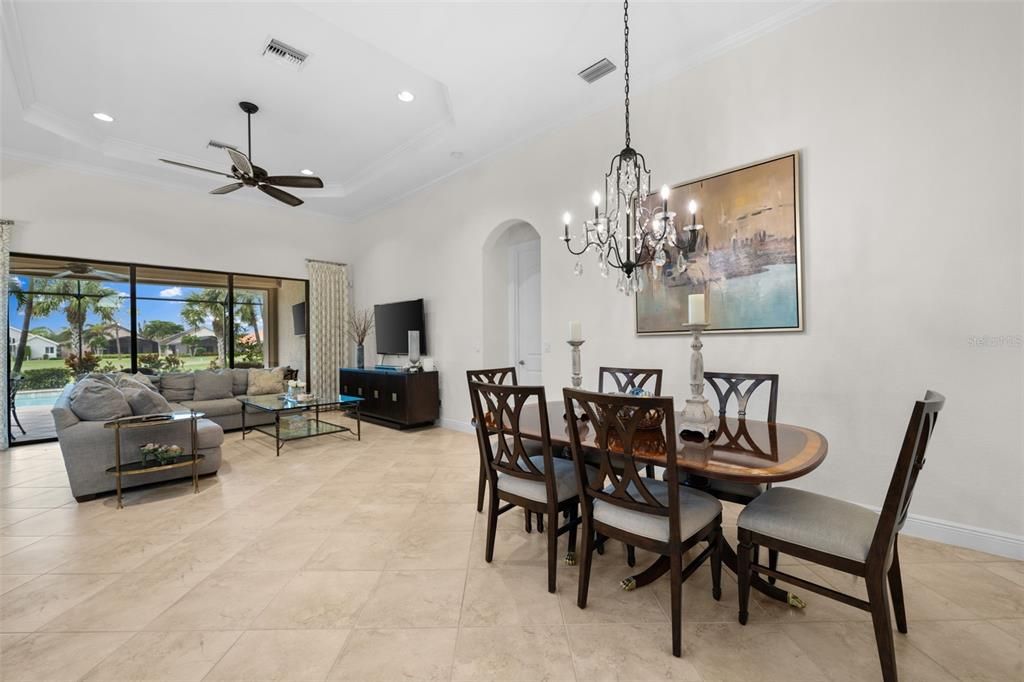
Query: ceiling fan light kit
[246,174]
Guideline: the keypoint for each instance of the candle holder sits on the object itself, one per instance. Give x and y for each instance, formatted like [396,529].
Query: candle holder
[697,417]
[577,375]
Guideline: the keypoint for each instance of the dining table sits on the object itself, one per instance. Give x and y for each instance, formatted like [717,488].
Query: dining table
[741,450]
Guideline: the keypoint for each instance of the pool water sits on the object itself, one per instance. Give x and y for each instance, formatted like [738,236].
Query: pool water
[37,398]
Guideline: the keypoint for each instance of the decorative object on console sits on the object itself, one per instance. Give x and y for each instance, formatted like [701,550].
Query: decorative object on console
[697,418]
[414,351]
[159,452]
[247,174]
[628,235]
[360,324]
[745,256]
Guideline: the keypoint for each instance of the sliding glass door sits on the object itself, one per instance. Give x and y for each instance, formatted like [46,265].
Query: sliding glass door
[68,318]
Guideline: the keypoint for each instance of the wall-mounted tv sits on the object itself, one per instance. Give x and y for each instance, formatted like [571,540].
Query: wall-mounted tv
[392,324]
[299,318]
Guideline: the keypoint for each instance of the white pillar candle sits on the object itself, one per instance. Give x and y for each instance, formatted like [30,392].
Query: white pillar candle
[696,313]
[575,331]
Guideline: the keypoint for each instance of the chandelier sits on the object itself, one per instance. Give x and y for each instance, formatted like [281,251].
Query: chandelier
[630,235]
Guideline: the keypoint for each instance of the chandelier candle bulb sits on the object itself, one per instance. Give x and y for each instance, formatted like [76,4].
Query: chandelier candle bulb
[664,200]
[575,331]
[696,309]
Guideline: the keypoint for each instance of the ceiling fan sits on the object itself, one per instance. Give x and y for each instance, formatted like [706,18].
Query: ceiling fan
[78,270]
[246,174]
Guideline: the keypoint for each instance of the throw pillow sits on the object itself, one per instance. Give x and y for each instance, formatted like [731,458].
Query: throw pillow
[100,376]
[146,380]
[266,381]
[93,400]
[178,387]
[123,381]
[240,381]
[213,385]
[145,401]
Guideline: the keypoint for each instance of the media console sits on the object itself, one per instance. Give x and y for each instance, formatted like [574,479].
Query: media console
[400,399]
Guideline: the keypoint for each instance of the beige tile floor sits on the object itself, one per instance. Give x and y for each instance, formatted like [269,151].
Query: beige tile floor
[364,561]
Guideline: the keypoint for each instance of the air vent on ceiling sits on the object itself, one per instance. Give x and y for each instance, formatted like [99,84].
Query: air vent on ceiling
[287,54]
[597,70]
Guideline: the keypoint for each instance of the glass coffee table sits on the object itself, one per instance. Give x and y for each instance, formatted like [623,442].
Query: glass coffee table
[292,418]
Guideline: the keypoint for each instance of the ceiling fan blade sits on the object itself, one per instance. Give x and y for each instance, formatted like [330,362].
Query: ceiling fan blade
[240,160]
[62,275]
[115,276]
[295,181]
[228,188]
[280,195]
[206,170]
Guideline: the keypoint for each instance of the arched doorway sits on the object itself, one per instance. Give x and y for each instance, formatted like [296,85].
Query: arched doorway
[512,300]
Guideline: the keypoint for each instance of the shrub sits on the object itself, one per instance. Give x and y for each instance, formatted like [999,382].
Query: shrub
[50,377]
[81,365]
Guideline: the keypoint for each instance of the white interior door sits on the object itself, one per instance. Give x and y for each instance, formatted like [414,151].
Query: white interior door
[524,308]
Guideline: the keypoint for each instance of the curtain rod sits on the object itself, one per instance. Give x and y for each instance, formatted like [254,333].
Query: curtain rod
[326,262]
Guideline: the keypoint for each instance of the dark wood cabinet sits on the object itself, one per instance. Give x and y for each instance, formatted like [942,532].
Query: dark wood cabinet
[401,399]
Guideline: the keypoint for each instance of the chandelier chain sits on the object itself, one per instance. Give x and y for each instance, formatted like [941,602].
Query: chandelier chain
[625,35]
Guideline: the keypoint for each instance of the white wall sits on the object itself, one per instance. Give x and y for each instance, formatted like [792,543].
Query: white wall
[63,212]
[908,117]
[291,348]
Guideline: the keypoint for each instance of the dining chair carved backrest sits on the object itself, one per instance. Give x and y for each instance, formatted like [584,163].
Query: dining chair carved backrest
[739,387]
[626,379]
[844,536]
[625,432]
[536,482]
[494,375]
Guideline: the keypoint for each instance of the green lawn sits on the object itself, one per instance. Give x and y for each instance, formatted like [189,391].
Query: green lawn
[120,361]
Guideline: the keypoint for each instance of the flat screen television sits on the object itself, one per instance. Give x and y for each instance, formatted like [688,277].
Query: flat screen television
[299,318]
[392,323]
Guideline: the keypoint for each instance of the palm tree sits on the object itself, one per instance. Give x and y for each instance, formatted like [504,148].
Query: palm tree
[207,304]
[248,306]
[37,298]
[95,337]
[108,307]
[80,297]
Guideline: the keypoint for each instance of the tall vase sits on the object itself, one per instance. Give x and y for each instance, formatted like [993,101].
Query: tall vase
[359,356]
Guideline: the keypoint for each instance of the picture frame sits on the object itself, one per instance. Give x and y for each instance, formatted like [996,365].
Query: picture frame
[748,259]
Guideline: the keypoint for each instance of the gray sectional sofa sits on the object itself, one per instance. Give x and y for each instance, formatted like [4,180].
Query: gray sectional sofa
[88,448]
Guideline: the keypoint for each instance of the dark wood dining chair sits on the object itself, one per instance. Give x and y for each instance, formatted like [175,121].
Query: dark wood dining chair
[495,375]
[843,536]
[736,389]
[542,484]
[660,516]
[627,379]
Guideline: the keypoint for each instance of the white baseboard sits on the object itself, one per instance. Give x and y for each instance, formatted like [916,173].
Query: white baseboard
[962,535]
[926,527]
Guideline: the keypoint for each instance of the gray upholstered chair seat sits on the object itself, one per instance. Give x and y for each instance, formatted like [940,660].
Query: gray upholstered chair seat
[565,481]
[811,520]
[696,510]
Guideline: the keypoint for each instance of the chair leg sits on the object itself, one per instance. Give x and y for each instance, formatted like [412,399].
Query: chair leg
[552,549]
[570,555]
[480,485]
[744,554]
[773,563]
[540,523]
[14,413]
[650,471]
[587,558]
[716,564]
[676,579]
[492,526]
[878,597]
[599,543]
[896,588]
[631,555]
[529,521]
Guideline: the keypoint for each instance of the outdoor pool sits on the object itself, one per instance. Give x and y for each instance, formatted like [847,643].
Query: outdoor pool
[37,398]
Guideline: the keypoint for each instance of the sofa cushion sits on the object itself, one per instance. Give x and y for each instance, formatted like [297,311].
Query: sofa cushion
[100,376]
[146,380]
[208,434]
[145,401]
[95,400]
[212,385]
[215,408]
[239,381]
[123,381]
[178,386]
[265,381]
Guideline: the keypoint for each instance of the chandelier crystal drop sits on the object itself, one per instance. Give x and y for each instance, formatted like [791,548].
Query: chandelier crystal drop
[628,234]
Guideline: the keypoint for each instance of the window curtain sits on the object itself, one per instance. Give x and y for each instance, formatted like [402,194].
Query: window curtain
[328,315]
[5,289]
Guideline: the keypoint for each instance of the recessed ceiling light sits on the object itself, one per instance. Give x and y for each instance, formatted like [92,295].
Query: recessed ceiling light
[406,96]
[106,118]
[306,171]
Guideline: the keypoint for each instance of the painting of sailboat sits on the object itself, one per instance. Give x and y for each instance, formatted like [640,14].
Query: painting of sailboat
[745,258]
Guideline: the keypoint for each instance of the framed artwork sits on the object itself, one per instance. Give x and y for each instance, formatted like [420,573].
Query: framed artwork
[747,257]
